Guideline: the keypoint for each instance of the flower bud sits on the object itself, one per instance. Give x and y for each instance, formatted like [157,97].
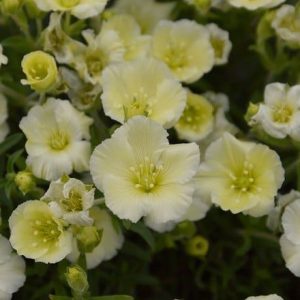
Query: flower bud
[25,182]
[197,246]
[10,6]
[41,71]
[77,280]
[202,5]
[88,238]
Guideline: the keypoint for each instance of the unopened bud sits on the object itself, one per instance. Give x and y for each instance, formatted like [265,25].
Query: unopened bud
[25,181]
[197,246]
[88,238]
[77,280]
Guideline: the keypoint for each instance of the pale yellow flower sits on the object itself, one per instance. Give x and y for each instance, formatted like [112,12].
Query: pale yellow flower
[57,139]
[111,241]
[40,70]
[81,9]
[142,175]
[38,234]
[241,176]
[197,119]
[255,4]
[142,87]
[146,12]
[184,46]
[136,45]
[12,270]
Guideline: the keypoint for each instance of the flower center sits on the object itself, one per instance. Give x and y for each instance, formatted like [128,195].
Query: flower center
[45,229]
[245,180]
[68,3]
[139,104]
[196,113]
[218,46]
[176,56]
[146,175]
[95,63]
[59,140]
[282,113]
[291,22]
[74,202]
[38,71]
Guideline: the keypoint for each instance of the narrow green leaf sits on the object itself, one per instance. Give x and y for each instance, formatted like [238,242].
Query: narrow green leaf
[10,141]
[145,233]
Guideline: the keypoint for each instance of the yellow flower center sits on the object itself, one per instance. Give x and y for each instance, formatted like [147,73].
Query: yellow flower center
[139,104]
[244,181]
[176,56]
[146,175]
[59,140]
[38,71]
[95,62]
[68,3]
[197,113]
[291,22]
[218,46]
[282,113]
[73,202]
[46,230]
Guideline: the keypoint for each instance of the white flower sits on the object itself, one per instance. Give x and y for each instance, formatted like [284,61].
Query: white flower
[111,241]
[57,139]
[146,12]
[290,240]
[38,234]
[70,199]
[268,297]
[274,217]
[197,119]
[255,4]
[142,87]
[3,58]
[184,46]
[221,43]
[81,9]
[142,175]
[240,176]
[286,24]
[12,270]
[102,49]
[136,45]
[279,115]
[3,117]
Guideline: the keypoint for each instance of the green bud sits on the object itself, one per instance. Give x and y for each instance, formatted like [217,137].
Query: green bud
[251,111]
[197,246]
[185,229]
[88,238]
[10,6]
[77,280]
[25,181]
[202,5]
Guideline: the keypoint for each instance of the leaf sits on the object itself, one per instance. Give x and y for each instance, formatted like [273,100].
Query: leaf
[115,297]
[12,160]
[145,233]
[10,141]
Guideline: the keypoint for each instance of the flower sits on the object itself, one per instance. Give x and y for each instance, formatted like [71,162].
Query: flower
[140,174]
[57,139]
[102,50]
[81,9]
[59,43]
[274,217]
[268,297]
[38,234]
[240,176]
[279,115]
[290,240]
[147,13]
[219,39]
[40,70]
[136,45]
[3,117]
[142,87]
[70,199]
[197,119]
[255,4]
[184,46]
[111,242]
[12,270]
[286,24]
[3,58]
